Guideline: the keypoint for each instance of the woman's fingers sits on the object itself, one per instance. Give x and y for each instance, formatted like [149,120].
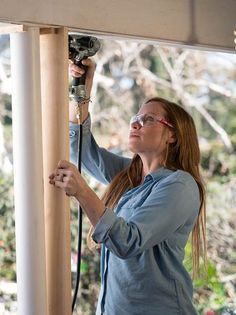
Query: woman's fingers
[51,176]
[77,72]
[68,184]
[65,177]
[88,62]
[74,71]
[63,164]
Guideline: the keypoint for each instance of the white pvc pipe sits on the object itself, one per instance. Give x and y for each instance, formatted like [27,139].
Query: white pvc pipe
[28,173]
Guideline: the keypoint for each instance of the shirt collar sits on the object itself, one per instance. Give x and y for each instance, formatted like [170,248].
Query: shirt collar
[158,174]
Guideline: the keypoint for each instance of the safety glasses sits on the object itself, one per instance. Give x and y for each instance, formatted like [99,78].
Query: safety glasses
[149,120]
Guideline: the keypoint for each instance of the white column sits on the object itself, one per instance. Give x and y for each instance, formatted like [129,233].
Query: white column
[28,173]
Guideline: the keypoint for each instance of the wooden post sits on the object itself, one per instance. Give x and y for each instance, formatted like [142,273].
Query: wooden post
[54,87]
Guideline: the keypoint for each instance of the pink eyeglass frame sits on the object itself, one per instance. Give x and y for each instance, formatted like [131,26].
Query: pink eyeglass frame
[137,118]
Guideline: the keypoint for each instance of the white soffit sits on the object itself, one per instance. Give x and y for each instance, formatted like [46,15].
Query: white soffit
[207,24]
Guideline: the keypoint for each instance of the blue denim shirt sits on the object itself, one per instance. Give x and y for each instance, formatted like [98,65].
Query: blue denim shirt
[143,237]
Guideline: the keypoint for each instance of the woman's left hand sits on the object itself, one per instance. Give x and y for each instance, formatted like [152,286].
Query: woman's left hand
[67,177]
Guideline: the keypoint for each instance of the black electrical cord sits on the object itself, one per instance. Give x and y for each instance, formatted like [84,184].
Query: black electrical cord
[80,218]
[80,47]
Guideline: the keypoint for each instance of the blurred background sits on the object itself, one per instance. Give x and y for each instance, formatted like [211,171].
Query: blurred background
[128,73]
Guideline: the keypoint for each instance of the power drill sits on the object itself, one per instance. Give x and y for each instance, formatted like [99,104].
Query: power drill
[81,47]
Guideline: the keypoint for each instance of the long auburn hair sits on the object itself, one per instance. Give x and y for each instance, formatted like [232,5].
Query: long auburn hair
[183,154]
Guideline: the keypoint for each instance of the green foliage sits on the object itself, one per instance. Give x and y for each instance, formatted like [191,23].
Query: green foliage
[218,164]
[7,228]
[90,265]
[209,291]
[212,290]
[6,100]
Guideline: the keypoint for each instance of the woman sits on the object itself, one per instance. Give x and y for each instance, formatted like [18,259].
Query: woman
[152,204]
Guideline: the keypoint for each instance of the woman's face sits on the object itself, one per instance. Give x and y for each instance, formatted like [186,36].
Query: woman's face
[151,138]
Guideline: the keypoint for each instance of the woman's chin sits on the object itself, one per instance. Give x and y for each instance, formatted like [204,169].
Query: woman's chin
[132,147]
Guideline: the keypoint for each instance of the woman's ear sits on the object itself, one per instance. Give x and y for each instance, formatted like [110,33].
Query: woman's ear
[171,137]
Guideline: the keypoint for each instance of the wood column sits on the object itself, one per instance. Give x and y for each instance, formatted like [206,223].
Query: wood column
[55,117]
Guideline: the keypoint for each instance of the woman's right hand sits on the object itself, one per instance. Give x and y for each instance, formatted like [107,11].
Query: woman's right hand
[77,72]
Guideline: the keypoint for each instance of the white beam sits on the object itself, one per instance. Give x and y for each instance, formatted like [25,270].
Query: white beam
[197,23]
[28,170]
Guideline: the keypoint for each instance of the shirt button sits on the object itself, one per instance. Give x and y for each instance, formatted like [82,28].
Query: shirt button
[72,133]
[148,177]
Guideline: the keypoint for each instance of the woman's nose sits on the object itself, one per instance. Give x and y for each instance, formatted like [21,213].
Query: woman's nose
[135,125]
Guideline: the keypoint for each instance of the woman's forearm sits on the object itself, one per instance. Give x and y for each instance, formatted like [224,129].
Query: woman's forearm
[91,204]
[73,112]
